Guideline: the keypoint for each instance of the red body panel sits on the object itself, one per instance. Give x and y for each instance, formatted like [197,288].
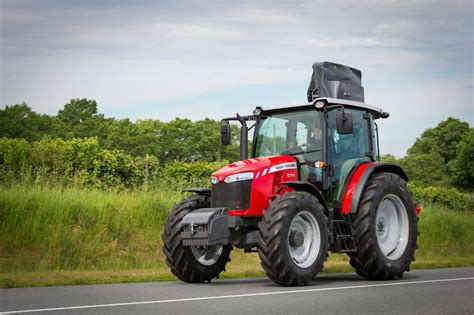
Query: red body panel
[349,193]
[265,185]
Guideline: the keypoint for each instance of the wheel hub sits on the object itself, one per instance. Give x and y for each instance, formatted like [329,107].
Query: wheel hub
[381,227]
[207,255]
[296,239]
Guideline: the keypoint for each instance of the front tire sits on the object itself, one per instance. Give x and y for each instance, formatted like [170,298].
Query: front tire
[385,229]
[293,240]
[195,264]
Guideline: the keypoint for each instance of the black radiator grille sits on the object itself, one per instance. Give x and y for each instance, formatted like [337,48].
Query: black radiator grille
[234,195]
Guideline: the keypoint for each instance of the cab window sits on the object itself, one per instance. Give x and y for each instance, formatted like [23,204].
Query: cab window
[348,150]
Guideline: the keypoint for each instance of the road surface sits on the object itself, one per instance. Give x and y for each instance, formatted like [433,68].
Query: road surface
[434,291]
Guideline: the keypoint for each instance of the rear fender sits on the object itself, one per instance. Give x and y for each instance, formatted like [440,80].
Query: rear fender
[358,181]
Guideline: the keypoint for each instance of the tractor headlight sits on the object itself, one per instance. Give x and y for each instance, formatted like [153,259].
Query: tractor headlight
[238,177]
[214,180]
[319,104]
[257,111]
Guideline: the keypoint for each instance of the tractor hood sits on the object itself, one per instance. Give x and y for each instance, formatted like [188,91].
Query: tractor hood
[259,166]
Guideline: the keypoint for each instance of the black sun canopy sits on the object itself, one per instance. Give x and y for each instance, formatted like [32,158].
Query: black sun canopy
[336,81]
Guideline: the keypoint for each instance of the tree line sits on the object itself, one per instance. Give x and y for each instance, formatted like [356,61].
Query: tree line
[177,140]
[442,156]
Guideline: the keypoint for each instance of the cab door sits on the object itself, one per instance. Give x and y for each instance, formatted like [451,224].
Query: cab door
[347,151]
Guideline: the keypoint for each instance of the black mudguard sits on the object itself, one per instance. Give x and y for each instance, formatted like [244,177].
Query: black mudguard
[308,187]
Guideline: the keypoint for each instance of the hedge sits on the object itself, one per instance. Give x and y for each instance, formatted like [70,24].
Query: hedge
[447,197]
[84,163]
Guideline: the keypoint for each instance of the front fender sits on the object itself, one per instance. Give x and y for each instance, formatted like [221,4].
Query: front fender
[308,187]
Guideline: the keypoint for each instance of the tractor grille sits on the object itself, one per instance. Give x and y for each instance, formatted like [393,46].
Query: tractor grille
[234,196]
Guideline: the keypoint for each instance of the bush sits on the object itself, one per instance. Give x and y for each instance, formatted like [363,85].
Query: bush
[426,168]
[14,157]
[84,163]
[188,174]
[77,162]
[447,197]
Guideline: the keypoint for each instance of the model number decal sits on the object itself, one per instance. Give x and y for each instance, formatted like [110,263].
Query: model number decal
[284,166]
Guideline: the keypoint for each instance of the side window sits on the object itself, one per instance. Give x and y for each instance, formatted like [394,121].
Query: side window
[301,134]
[375,136]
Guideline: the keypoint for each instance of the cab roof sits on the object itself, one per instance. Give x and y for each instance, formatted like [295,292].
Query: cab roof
[329,100]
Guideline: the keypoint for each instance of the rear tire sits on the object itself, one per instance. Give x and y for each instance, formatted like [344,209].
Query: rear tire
[293,240]
[385,229]
[191,264]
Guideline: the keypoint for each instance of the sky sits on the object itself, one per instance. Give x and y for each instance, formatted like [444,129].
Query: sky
[197,59]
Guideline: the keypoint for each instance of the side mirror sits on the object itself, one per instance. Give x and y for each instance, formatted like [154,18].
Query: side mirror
[225,133]
[344,123]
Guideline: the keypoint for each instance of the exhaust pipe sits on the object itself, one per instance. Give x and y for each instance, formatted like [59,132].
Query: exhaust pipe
[243,138]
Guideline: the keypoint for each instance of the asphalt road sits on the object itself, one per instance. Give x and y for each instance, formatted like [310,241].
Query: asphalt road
[434,291]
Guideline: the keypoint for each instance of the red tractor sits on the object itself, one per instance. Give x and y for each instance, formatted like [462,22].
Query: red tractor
[313,184]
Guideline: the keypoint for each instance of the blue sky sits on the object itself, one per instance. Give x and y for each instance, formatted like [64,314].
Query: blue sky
[196,59]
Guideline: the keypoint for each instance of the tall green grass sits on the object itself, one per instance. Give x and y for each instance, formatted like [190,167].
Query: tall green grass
[445,233]
[68,229]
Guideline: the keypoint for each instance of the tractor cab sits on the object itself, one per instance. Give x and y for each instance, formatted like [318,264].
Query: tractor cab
[312,183]
[325,153]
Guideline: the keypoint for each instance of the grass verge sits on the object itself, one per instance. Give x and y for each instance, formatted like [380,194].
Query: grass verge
[247,267]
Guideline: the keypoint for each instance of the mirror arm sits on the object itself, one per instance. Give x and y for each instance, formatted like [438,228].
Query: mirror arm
[331,107]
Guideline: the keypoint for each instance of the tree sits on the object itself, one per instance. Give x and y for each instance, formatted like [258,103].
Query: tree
[431,159]
[78,111]
[19,121]
[174,139]
[83,120]
[206,140]
[187,141]
[444,138]
[462,167]
[389,158]
[426,168]
[138,139]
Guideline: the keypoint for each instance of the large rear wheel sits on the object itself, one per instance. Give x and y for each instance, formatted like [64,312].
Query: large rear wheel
[191,263]
[385,229]
[293,239]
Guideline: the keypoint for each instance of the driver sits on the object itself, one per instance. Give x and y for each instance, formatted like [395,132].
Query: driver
[315,143]
[314,149]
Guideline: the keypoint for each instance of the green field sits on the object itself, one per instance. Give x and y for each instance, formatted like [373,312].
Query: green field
[54,235]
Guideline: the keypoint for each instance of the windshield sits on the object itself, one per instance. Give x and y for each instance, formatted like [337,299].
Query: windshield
[295,133]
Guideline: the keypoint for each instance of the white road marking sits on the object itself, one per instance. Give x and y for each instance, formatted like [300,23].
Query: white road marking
[236,296]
